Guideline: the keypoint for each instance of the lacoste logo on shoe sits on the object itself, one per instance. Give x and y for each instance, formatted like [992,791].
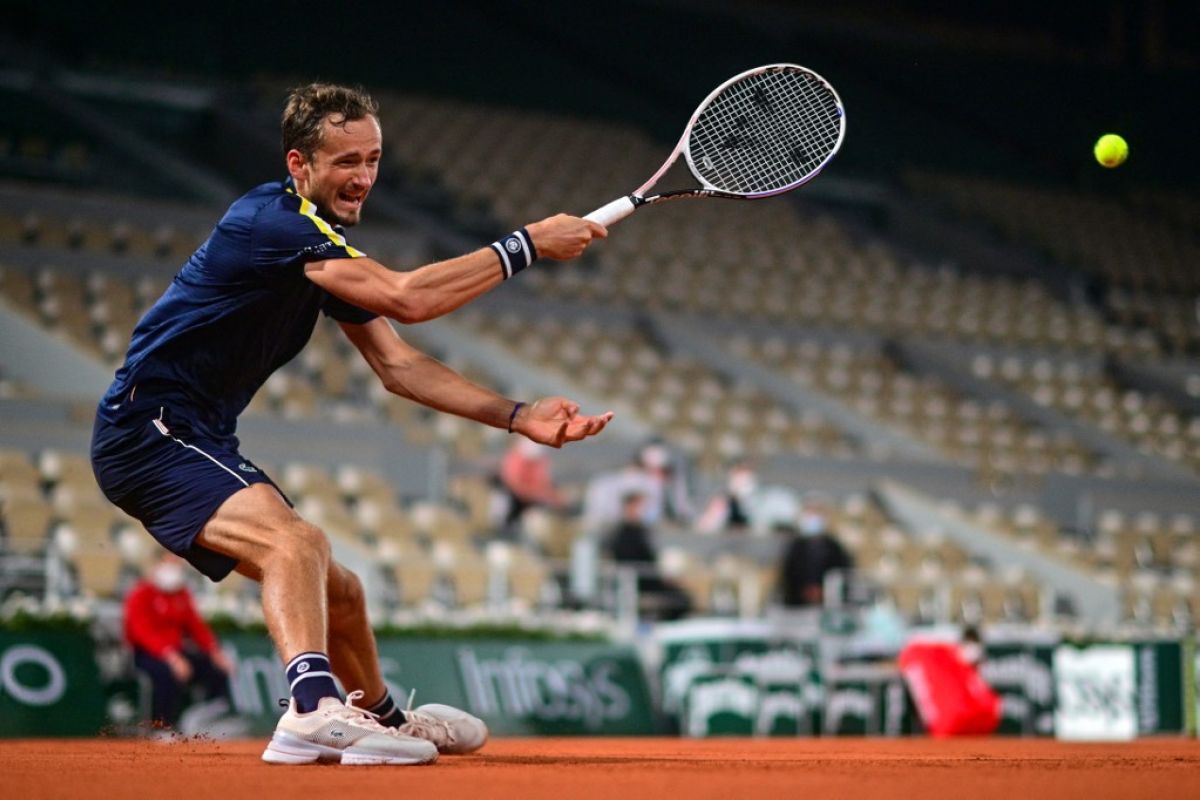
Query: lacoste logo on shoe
[244,467]
[336,734]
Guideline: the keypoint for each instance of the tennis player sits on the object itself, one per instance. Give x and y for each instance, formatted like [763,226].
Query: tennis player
[164,447]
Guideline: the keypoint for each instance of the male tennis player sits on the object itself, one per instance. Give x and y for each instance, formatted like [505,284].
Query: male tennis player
[244,304]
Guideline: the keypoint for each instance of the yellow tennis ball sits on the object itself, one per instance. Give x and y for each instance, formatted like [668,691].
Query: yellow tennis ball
[1111,150]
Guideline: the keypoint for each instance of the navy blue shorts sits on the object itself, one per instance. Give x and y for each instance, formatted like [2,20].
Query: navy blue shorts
[172,479]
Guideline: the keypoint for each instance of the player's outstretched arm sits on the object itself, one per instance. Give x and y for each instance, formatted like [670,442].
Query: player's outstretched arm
[436,289]
[407,372]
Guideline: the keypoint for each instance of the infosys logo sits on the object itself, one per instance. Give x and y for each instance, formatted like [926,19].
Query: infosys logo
[562,690]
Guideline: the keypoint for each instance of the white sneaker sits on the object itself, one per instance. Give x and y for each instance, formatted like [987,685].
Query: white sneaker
[451,729]
[343,732]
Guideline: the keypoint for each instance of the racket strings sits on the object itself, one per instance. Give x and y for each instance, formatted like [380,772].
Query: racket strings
[767,155]
[764,133]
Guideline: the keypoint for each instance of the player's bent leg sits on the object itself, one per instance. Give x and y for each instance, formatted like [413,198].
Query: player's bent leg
[352,650]
[288,555]
[355,659]
[291,558]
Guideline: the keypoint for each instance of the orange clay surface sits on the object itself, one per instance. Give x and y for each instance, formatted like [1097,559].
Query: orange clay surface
[618,769]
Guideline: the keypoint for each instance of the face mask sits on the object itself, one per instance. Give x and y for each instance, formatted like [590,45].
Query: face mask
[972,652]
[167,577]
[655,457]
[742,484]
[811,524]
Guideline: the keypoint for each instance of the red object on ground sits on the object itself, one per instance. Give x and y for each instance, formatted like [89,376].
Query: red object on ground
[951,697]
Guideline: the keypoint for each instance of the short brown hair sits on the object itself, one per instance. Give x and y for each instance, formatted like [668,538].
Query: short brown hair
[308,106]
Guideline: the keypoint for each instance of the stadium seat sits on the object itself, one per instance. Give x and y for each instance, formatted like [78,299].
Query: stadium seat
[99,573]
[26,524]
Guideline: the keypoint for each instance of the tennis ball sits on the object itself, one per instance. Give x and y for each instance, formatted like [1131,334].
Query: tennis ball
[1111,150]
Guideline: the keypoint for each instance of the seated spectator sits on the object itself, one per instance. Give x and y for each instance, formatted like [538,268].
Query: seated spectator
[526,480]
[630,544]
[655,474]
[171,643]
[746,505]
[812,551]
[664,470]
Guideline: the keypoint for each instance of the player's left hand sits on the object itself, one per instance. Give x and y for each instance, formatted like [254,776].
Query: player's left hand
[554,421]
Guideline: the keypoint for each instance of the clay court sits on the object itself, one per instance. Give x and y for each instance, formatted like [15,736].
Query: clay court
[621,768]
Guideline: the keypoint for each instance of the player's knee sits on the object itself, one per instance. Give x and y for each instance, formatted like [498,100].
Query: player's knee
[346,595]
[304,542]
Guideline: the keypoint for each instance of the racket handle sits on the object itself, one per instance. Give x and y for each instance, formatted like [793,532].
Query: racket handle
[615,211]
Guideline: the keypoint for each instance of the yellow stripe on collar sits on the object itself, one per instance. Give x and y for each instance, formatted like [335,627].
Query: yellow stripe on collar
[309,210]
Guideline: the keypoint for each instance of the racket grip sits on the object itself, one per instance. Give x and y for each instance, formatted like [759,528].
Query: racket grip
[615,211]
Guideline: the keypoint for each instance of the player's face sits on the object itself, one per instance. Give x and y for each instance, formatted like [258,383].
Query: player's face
[342,172]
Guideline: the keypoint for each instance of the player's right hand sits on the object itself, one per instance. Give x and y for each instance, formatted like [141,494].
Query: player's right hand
[563,237]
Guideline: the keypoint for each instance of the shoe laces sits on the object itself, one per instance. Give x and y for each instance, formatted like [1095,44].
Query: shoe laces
[358,715]
[425,726]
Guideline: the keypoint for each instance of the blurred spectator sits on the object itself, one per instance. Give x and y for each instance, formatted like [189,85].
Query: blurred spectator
[665,471]
[744,504]
[970,647]
[526,480]
[630,544]
[811,552]
[171,643]
[656,475]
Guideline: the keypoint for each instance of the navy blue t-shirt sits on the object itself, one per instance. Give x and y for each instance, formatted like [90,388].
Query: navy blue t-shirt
[240,308]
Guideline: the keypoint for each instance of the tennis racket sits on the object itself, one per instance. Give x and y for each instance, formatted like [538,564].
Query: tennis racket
[761,133]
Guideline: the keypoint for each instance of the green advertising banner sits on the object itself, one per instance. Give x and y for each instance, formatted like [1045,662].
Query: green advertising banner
[519,688]
[728,679]
[49,684]
[869,700]
[772,692]
[734,678]
[1161,670]
[685,660]
[1023,675]
[1191,698]
[704,667]
[1147,696]
[777,690]
[718,686]
[1096,692]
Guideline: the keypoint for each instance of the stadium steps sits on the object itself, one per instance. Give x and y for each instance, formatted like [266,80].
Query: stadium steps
[1097,603]
[1179,381]
[948,363]
[880,440]
[48,364]
[189,180]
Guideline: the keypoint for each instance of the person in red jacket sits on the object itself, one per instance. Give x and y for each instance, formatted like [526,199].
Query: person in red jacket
[525,477]
[171,643]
